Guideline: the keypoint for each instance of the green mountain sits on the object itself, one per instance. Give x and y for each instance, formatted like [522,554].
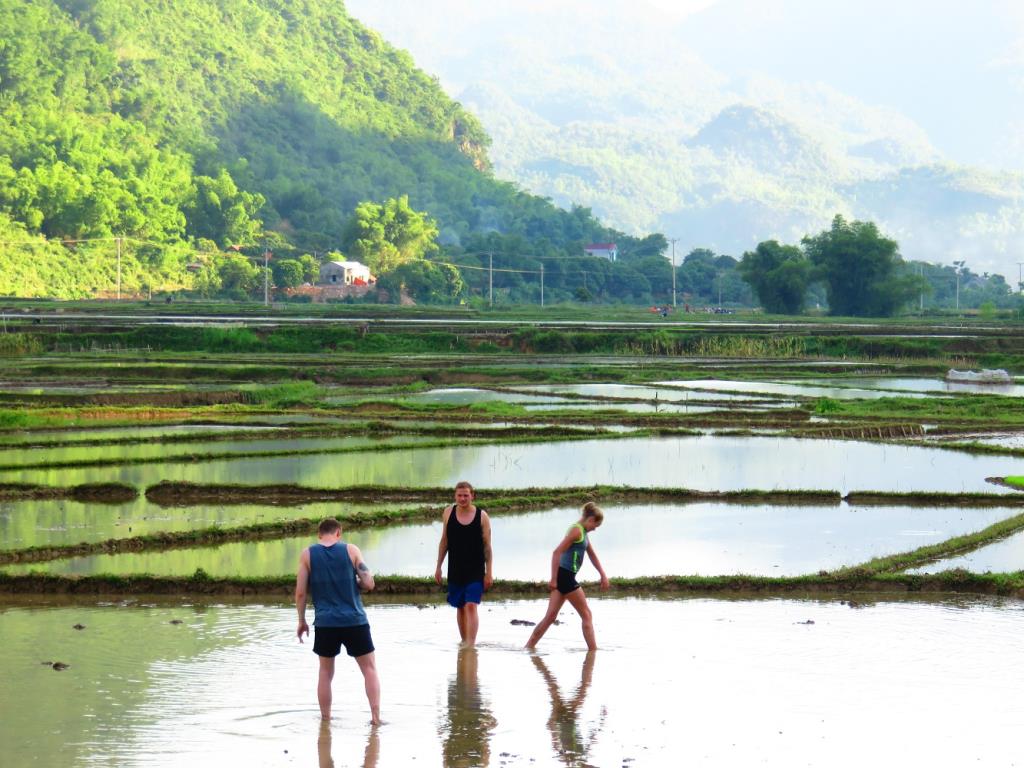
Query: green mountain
[185,125]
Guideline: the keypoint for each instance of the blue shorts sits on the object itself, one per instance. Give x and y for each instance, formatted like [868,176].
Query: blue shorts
[460,594]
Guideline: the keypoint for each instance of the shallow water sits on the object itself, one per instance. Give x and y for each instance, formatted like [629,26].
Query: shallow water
[1011,440]
[577,405]
[26,456]
[60,522]
[635,540]
[644,392]
[708,462]
[1002,556]
[468,395]
[787,389]
[723,683]
[929,385]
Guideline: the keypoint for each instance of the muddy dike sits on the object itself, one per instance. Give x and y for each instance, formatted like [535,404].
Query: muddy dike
[178,398]
[282,587]
[269,432]
[181,494]
[921,499]
[95,493]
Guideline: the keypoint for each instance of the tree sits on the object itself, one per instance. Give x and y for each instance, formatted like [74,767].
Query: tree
[386,235]
[222,212]
[697,272]
[658,272]
[860,269]
[779,275]
[238,277]
[631,248]
[310,268]
[425,282]
[288,273]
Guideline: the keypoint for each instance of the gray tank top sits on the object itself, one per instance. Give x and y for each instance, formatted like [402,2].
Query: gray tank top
[333,586]
[572,558]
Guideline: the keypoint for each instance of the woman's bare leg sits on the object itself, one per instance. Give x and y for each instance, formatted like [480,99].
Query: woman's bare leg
[578,600]
[555,602]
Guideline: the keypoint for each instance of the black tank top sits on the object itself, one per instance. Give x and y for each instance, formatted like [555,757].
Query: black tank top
[465,549]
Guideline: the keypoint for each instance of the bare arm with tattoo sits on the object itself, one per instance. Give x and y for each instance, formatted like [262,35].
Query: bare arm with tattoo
[364,576]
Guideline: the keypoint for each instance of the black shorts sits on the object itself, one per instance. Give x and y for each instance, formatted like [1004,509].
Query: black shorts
[327,641]
[566,581]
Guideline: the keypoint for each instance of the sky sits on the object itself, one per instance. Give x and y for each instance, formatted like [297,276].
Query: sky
[954,68]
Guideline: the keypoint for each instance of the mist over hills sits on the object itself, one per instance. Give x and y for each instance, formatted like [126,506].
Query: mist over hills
[745,120]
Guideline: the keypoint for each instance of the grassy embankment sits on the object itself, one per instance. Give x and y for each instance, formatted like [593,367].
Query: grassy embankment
[869,341]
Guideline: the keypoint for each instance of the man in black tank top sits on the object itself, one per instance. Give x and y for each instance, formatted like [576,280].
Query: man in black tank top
[466,540]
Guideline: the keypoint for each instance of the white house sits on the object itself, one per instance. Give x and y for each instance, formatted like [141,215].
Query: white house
[345,273]
[608,251]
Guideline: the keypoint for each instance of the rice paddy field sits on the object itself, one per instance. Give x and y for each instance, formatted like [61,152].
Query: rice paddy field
[791,513]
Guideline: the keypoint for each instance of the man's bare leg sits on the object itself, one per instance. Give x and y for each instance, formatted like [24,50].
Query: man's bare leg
[371,683]
[578,600]
[555,603]
[323,686]
[469,622]
[460,616]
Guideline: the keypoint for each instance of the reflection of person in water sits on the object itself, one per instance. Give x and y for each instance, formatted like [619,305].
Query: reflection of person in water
[323,747]
[567,737]
[469,721]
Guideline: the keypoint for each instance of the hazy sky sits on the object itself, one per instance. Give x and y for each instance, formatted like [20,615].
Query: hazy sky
[953,67]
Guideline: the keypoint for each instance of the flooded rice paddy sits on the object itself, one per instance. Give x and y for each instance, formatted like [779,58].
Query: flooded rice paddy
[140,451]
[902,385]
[707,462]
[635,540]
[645,392]
[676,682]
[786,389]
[1004,556]
[630,398]
[56,522]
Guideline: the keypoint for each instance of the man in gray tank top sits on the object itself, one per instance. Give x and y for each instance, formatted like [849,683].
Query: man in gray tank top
[333,573]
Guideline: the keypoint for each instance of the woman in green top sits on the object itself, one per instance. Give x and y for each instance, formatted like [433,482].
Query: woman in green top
[565,564]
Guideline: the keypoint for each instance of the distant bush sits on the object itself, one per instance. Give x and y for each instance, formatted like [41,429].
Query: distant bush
[287,394]
[15,344]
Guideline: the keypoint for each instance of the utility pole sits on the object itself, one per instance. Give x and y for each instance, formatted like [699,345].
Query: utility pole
[490,279]
[674,240]
[920,297]
[118,240]
[1020,280]
[542,284]
[266,276]
[958,266]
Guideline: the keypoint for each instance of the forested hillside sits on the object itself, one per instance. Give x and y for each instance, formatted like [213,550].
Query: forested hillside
[187,127]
